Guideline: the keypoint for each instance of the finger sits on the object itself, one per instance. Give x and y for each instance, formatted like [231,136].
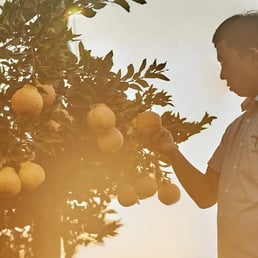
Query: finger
[161,134]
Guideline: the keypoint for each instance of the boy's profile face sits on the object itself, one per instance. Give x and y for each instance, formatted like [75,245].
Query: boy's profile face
[240,71]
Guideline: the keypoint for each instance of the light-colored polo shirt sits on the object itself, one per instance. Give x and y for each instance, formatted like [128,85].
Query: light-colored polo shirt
[236,159]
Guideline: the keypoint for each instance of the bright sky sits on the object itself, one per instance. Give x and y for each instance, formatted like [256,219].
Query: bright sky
[179,32]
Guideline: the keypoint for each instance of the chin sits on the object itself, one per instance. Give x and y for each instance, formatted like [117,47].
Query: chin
[236,92]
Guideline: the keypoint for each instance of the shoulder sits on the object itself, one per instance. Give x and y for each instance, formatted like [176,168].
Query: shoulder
[233,125]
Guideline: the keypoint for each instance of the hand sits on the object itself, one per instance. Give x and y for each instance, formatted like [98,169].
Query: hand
[161,141]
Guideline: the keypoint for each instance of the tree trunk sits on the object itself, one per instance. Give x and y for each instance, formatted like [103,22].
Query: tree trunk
[46,203]
[46,235]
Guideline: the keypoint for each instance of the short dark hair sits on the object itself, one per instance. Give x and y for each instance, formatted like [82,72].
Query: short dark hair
[240,31]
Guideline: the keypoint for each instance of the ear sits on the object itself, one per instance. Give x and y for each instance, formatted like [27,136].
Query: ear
[253,53]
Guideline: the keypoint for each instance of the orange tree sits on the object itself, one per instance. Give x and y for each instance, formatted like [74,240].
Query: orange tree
[67,145]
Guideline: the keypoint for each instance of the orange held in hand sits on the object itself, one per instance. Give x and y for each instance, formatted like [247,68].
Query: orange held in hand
[147,123]
[168,193]
[27,102]
[10,183]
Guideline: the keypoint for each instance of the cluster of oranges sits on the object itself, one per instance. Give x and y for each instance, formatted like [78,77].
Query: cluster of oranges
[145,125]
[129,194]
[30,100]
[29,176]
[101,121]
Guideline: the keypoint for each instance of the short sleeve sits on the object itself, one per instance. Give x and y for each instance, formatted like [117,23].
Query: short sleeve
[217,159]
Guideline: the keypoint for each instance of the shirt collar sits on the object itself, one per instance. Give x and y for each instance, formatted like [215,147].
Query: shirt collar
[246,104]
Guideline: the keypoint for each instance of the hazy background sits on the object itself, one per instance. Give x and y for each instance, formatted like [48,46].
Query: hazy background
[179,32]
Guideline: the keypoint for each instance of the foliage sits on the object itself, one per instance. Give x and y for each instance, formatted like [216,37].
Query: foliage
[81,181]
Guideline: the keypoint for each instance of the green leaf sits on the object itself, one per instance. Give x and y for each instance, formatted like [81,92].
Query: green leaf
[143,65]
[162,77]
[153,65]
[161,66]
[135,87]
[88,12]
[81,49]
[161,99]
[136,76]
[108,57]
[108,61]
[157,76]
[143,83]
[140,1]
[138,98]
[99,5]
[123,4]
[130,72]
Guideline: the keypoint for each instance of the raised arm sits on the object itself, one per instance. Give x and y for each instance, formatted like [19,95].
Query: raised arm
[202,188]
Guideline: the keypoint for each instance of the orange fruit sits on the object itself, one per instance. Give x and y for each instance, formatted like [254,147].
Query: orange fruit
[168,193]
[27,102]
[47,93]
[147,123]
[10,183]
[111,140]
[126,195]
[145,186]
[31,175]
[100,118]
